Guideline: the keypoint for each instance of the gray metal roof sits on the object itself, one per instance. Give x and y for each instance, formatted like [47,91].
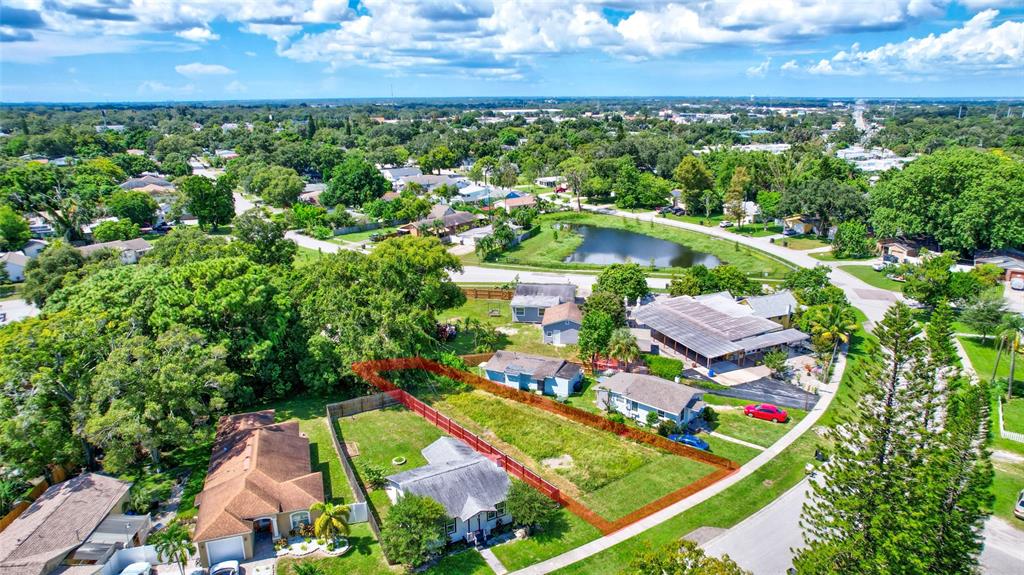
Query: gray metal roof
[707,331]
[463,481]
[773,305]
[784,337]
[653,391]
[543,295]
[537,366]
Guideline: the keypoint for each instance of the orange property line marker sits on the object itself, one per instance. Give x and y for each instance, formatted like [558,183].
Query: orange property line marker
[371,372]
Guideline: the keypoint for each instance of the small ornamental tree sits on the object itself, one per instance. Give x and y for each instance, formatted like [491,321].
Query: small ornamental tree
[528,507]
[682,558]
[115,230]
[852,241]
[414,529]
[624,280]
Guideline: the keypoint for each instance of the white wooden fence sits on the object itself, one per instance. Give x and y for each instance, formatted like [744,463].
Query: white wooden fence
[1011,435]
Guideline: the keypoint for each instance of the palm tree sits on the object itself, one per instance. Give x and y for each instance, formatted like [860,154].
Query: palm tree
[622,346]
[832,325]
[332,521]
[1008,335]
[174,543]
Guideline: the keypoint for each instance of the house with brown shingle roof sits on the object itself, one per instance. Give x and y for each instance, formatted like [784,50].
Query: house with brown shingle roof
[561,324]
[259,484]
[78,522]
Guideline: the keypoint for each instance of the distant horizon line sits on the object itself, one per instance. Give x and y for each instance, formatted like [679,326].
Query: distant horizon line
[468,99]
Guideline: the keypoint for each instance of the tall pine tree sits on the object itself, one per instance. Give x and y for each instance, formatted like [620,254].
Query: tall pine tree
[906,485]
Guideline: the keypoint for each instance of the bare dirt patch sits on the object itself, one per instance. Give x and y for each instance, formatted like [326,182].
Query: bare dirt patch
[561,462]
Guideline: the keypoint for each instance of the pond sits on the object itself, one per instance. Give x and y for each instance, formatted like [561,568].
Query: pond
[604,246]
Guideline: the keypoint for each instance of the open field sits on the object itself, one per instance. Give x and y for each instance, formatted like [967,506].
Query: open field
[1013,415]
[610,475]
[550,247]
[381,436]
[803,242]
[873,278]
[756,230]
[523,337]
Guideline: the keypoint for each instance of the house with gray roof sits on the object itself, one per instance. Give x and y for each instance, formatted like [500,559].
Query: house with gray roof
[471,488]
[129,250]
[78,522]
[393,175]
[530,300]
[14,263]
[636,395]
[778,307]
[536,373]
[713,328]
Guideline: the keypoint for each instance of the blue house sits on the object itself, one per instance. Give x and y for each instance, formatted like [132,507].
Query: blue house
[530,300]
[636,395]
[548,375]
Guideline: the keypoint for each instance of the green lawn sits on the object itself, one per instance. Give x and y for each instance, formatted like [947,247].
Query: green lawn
[357,237]
[733,423]
[723,510]
[1013,415]
[873,278]
[305,256]
[550,247]
[698,220]
[1007,483]
[982,353]
[734,451]
[803,242]
[831,257]
[756,230]
[383,435]
[564,532]
[364,558]
[611,475]
[523,337]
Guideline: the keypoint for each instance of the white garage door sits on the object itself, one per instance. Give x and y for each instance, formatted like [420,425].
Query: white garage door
[225,550]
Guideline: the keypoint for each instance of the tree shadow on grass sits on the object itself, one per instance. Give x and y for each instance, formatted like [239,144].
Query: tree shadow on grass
[554,528]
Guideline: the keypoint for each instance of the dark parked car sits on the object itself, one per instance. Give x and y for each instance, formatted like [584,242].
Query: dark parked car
[691,440]
[789,232]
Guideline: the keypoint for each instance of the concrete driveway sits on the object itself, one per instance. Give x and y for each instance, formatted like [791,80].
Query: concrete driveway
[17,309]
[1014,299]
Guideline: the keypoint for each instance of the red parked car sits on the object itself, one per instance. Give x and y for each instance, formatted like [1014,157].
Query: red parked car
[767,412]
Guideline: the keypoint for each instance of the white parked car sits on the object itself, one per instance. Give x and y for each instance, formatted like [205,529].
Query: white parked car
[1017,284]
[725,224]
[1018,509]
[140,568]
[878,267]
[225,568]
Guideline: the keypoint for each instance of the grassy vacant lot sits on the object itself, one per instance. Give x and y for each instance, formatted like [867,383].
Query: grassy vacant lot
[1007,483]
[831,257]
[756,230]
[550,247]
[383,435]
[524,337]
[698,220]
[611,475]
[873,278]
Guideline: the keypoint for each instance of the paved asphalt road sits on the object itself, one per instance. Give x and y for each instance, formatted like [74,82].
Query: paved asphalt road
[762,542]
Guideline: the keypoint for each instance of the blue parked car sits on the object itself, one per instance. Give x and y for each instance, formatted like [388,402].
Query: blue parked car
[691,440]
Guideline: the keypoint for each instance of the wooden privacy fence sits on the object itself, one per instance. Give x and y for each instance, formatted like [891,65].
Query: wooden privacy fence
[371,371]
[359,405]
[475,359]
[346,464]
[487,293]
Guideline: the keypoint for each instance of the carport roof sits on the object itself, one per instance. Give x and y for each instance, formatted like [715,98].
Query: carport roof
[708,331]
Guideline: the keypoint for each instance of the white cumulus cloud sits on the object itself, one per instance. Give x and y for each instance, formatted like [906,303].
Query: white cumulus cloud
[761,70]
[979,45]
[199,69]
[198,34]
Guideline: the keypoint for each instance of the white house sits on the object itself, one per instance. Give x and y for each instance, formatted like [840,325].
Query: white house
[14,263]
[636,395]
[33,247]
[129,250]
[471,488]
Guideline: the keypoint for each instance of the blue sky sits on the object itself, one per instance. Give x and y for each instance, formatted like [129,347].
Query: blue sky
[158,50]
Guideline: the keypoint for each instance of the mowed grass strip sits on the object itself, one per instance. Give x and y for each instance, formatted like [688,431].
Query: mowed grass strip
[733,423]
[613,475]
[383,435]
